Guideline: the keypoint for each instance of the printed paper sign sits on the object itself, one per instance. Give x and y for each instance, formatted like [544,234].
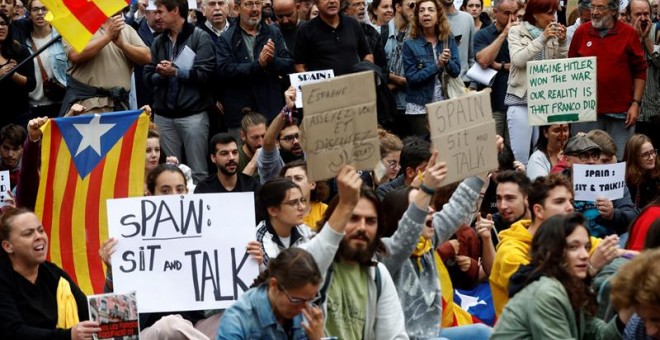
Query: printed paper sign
[183,252]
[340,125]
[463,132]
[117,315]
[561,91]
[5,188]
[297,79]
[602,180]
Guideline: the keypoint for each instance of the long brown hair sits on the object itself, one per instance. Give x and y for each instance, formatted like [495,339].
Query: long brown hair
[631,155]
[442,29]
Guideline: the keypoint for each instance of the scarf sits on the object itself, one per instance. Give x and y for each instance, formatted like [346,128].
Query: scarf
[423,247]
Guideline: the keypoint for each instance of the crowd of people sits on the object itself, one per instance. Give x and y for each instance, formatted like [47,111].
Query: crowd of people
[363,255]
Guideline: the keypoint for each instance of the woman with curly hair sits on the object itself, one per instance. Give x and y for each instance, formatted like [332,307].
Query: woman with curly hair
[551,296]
[642,169]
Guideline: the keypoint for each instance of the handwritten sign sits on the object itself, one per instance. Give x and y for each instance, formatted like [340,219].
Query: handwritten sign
[297,79]
[5,188]
[340,125]
[183,252]
[463,132]
[561,91]
[601,180]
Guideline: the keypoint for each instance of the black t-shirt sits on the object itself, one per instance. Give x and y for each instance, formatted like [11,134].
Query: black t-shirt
[212,185]
[320,46]
[482,39]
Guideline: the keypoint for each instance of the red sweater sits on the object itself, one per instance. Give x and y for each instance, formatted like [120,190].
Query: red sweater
[620,61]
[641,227]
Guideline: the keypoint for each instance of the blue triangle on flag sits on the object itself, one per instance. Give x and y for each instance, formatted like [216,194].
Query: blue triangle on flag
[90,137]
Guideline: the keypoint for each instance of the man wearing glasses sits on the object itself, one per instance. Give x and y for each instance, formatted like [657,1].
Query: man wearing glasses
[605,217]
[621,68]
[252,57]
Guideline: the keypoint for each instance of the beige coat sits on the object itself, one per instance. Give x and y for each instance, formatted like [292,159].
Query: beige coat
[523,48]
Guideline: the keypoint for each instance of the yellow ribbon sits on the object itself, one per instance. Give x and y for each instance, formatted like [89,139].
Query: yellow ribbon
[423,246]
[67,309]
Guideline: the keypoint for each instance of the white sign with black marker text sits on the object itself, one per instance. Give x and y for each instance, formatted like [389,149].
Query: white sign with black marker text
[601,180]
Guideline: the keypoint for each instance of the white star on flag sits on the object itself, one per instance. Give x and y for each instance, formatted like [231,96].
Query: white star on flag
[91,134]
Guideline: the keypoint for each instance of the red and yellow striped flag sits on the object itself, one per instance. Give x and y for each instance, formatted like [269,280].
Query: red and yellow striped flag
[78,20]
[86,160]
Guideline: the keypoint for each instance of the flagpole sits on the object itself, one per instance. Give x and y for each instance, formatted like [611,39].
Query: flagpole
[31,57]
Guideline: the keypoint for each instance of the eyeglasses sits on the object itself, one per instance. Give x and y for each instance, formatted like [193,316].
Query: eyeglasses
[290,138]
[39,9]
[585,156]
[392,164]
[294,203]
[599,8]
[250,4]
[649,154]
[298,301]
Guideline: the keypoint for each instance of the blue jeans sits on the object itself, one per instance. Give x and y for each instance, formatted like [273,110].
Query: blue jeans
[189,133]
[469,332]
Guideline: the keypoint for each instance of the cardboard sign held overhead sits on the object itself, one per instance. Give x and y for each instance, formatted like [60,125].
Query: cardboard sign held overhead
[463,132]
[183,252]
[340,125]
[600,180]
[561,91]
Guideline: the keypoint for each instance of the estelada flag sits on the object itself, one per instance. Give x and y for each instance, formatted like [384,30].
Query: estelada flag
[86,160]
[78,20]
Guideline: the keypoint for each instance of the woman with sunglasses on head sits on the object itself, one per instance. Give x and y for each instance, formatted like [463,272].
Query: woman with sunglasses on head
[551,297]
[642,169]
[49,66]
[539,37]
[279,305]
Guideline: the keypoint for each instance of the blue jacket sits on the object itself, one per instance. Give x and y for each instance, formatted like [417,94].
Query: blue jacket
[422,70]
[251,317]
[57,58]
[245,82]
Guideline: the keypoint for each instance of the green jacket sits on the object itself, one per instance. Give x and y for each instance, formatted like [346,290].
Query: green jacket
[542,311]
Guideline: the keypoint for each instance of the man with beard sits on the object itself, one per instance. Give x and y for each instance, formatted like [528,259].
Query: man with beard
[216,13]
[331,41]
[511,199]
[253,131]
[621,70]
[286,14]
[12,137]
[228,178]
[281,143]
[252,58]
[639,13]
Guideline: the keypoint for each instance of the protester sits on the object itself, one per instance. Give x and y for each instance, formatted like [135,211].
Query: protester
[539,37]
[551,296]
[492,50]
[383,10]
[288,21]
[313,192]
[217,18]
[49,67]
[462,28]
[38,300]
[16,85]
[607,146]
[389,166]
[549,146]
[511,199]
[639,228]
[476,9]
[12,138]
[642,170]
[431,51]
[413,160]
[253,132]
[635,288]
[621,70]
[280,304]
[313,12]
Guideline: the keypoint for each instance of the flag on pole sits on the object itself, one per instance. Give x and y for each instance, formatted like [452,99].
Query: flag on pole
[86,160]
[78,20]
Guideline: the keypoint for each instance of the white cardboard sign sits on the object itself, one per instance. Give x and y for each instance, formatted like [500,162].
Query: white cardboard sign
[601,180]
[298,79]
[5,187]
[183,252]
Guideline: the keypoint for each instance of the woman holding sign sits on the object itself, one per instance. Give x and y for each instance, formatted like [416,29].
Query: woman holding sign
[431,51]
[38,300]
[539,37]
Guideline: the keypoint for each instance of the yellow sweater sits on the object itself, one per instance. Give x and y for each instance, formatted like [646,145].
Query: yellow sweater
[512,252]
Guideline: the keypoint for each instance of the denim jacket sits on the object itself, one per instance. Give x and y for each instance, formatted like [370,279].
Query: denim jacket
[251,317]
[56,58]
[421,68]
